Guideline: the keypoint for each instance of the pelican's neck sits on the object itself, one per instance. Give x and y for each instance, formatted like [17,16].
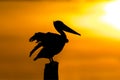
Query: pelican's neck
[63,35]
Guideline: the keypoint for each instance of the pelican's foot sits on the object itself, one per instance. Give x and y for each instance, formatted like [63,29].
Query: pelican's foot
[51,60]
[53,63]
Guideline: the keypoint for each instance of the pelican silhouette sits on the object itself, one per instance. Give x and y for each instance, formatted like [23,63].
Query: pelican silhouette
[52,43]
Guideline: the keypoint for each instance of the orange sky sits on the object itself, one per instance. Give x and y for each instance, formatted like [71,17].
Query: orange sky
[93,56]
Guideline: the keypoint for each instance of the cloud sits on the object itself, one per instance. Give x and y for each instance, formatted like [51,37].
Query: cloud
[9,38]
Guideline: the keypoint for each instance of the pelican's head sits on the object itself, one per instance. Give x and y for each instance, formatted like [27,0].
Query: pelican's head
[60,26]
[37,36]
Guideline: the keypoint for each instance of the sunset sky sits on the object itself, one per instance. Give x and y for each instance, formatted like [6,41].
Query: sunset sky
[95,55]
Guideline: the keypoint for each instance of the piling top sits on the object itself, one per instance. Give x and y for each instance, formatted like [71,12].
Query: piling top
[52,63]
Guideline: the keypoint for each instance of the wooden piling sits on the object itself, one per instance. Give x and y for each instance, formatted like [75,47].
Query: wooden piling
[51,71]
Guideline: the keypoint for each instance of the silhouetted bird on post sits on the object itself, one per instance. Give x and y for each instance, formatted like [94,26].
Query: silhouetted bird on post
[52,43]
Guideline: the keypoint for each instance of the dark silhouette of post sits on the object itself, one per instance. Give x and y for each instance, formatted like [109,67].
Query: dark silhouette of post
[52,44]
[51,71]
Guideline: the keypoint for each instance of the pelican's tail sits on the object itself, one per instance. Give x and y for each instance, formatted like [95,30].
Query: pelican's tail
[59,25]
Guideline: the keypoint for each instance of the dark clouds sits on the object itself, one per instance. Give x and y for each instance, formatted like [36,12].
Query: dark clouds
[10,38]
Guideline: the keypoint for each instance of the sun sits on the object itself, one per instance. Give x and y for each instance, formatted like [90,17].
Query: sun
[112,14]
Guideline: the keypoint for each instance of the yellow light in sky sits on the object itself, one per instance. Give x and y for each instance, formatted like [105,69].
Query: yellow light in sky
[112,14]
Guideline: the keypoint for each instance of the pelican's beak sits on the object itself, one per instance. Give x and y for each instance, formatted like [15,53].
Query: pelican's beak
[59,25]
[67,29]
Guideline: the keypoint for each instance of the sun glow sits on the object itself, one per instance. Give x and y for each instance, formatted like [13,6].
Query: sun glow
[112,14]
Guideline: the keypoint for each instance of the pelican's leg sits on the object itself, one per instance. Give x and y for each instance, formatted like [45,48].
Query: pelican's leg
[51,60]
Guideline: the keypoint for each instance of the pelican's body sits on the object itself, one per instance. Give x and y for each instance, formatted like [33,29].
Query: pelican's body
[52,43]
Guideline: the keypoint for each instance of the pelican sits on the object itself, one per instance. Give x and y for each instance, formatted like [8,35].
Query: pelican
[52,43]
